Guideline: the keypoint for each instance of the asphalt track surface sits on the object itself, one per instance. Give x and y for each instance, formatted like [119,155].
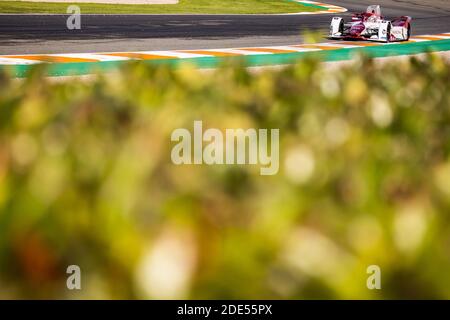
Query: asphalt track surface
[26,34]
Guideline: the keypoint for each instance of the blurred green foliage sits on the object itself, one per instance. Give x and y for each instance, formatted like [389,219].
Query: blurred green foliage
[86,179]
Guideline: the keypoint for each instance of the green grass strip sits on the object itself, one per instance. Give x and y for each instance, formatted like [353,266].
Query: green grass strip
[184,6]
[311,5]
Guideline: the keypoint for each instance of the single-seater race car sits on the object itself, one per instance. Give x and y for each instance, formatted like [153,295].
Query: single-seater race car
[371,25]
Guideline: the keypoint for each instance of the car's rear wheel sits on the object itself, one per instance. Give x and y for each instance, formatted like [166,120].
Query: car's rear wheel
[408,34]
[388,33]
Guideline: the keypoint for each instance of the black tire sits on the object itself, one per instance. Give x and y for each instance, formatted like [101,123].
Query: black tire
[388,33]
[408,35]
[341,27]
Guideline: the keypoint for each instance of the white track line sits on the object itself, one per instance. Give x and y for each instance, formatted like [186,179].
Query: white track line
[242,52]
[418,39]
[15,61]
[174,54]
[92,56]
[297,49]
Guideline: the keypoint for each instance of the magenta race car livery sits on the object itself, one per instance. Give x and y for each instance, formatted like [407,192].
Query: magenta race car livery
[371,25]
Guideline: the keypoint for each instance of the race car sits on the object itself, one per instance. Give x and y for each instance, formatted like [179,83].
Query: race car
[371,25]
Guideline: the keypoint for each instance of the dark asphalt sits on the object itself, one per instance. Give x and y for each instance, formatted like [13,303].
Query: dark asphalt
[20,34]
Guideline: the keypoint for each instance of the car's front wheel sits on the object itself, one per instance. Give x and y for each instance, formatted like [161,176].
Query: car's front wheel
[340,30]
